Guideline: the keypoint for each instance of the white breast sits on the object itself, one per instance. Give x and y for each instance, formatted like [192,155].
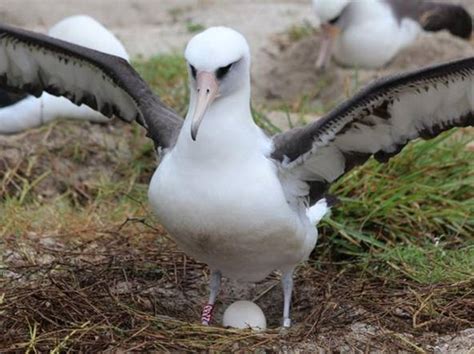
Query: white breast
[229,211]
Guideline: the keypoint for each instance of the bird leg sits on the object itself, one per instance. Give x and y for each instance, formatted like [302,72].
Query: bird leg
[214,285]
[287,283]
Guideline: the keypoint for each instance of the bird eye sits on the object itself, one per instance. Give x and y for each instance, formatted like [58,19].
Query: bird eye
[334,20]
[221,72]
[193,70]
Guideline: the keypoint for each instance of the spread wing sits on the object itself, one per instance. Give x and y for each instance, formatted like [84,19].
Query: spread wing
[435,16]
[33,63]
[378,121]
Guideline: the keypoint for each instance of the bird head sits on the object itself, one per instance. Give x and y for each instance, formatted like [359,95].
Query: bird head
[328,12]
[218,65]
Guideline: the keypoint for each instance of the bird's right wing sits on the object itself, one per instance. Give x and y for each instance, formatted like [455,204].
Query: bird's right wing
[377,121]
[33,63]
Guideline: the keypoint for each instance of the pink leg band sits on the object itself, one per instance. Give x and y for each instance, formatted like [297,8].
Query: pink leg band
[207,314]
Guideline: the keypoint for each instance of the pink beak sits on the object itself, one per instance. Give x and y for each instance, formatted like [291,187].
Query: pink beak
[207,91]
[330,32]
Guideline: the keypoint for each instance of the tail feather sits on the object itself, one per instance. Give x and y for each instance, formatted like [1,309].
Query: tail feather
[318,210]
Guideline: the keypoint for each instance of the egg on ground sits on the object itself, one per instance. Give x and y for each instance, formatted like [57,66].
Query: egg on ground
[244,314]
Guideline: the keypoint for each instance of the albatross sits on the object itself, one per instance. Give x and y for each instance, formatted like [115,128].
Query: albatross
[231,196]
[21,111]
[369,33]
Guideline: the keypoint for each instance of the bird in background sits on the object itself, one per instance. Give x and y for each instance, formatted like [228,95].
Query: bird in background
[230,195]
[19,112]
[370,33]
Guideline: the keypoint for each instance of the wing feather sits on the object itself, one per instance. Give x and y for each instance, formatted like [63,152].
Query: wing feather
[435,16]
[33,63]
[378,121]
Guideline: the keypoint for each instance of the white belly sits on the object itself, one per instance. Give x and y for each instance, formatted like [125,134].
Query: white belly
[233,217]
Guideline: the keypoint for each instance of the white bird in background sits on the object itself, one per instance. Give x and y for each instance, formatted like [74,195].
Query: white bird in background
[19,112]
[229,195]
[369,33]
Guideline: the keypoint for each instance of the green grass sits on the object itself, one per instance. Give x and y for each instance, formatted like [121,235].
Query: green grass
[425,192]
[299,31]
[427,263]
[167,75]
[193,27]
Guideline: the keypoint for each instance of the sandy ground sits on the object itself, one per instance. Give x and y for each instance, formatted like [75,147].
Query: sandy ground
[150,27]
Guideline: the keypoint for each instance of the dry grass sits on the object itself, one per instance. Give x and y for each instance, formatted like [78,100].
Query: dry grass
[128,288]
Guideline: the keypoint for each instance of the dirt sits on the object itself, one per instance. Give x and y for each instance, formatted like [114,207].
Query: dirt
[131,278]
[331,315]
[290,71]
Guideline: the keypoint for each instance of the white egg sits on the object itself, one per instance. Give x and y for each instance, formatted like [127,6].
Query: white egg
[244,314]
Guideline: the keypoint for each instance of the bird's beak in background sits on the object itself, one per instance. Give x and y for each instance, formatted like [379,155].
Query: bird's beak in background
[207,90]
[330,32]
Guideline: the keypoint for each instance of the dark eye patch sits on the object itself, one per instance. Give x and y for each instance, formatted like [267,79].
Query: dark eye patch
[221,72]
[193,70]
[334,20]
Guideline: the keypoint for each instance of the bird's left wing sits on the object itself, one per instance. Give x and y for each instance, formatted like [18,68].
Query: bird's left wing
[32,63]
[378,121]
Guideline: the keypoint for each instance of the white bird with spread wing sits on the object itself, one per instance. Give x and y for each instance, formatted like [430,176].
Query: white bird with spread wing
[369,33]
[19,112]
[232,197]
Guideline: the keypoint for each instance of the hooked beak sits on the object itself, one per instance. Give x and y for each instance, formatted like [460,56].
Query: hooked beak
[207,91]
[330,32]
